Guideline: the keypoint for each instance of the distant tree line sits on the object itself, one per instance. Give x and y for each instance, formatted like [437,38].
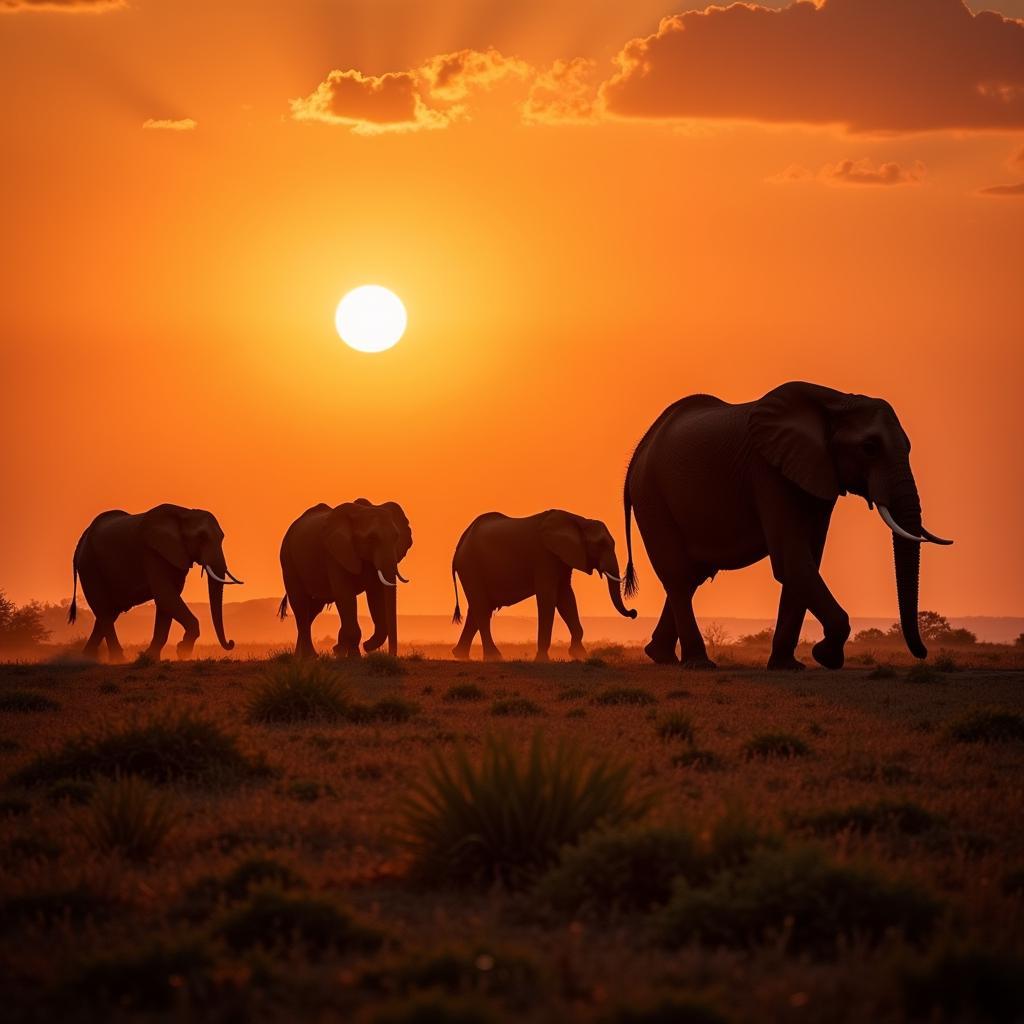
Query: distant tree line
[934,628]
[21,626]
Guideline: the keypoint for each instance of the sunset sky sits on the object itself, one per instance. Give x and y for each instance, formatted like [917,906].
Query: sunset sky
[588,212]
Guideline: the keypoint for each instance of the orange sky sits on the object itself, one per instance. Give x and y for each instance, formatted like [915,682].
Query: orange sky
[742,198]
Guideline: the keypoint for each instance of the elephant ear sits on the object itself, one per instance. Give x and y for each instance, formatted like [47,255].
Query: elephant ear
[790,428]
[562,536]
[339,541]
[161,531]
[401,521]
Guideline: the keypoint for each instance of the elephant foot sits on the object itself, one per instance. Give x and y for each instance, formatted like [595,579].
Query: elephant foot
[460,653]
[541,656]
[374,643]
[830,655]
[785,664]
[184,650]
[152,653]
[577,652]
[699,665]
[494,655]
[661,656]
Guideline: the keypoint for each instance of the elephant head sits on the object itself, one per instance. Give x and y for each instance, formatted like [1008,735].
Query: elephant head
[586,545]
[359,535]
[829,443]
[192,536]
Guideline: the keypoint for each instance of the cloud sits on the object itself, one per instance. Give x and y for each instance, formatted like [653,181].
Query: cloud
[869,65]
[853,172]
[167,124]
[1016,189]
[64,6]
[564,94]
[451,77]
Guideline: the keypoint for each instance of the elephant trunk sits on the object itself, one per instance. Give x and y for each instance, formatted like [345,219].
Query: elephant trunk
[610,567]
[217,601]
[906,510]
[391,618]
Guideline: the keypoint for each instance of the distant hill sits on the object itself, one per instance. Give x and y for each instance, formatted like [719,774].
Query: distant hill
[256,621]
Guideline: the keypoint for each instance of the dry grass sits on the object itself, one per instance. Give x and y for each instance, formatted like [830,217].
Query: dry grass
[265,903]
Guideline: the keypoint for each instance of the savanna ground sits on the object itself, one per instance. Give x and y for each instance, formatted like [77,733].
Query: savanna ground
[818,847]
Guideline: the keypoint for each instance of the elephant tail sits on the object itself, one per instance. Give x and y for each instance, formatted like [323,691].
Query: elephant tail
[73,610]
[282,608]
[457,617]
[630,586]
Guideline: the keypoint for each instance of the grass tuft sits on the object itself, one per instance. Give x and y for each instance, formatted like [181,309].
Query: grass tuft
[72,791]
[515,707]
[298,691]
[73,904]
[987,727]
[24,702]
[886,816]
[379,663]
[210,893]
[506,817]
[922,673]
[776,745]
[130,817]
[463,692]
[676,726]
[623,696]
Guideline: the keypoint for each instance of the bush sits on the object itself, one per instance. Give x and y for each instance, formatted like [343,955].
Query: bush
[22,701]
[776,744]
[676,726]
[965,984]
[762,638]
[74,904]
[463,692]
[74,791]
[904,818]
[698,759]
[387,709]
[882,672]
[625,695]
[129,817]
[298,691]
[868,636]
[21,627]
[274,919]
[987,727]
[515,707]
[624,870]
[798,893]
[208,894]
[379,663]
[506,818]
[922,673]
[182,749]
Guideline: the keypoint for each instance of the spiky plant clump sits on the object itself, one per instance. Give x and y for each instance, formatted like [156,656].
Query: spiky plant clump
[298,691]
[130,817]
[676,726]
[382,664]
[506,817]
[776,745]
[24,701]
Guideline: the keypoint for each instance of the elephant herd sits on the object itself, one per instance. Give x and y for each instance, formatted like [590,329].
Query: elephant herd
[712,485]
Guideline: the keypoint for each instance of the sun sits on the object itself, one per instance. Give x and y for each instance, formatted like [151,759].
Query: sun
[370,318]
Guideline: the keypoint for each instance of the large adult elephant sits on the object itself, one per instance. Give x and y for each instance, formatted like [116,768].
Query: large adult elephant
[502,560]
[719,486]
[335,554]
[125,560]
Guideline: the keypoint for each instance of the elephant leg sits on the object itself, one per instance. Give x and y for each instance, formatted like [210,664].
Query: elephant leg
[491,652]
[376,601]
[304,615]
[469,631]
[96,637]
[792,610]
[161,629]
[571,617]
[115,654]
[662,648]
[349,634]
[182,614]
[691,643]
[545,620]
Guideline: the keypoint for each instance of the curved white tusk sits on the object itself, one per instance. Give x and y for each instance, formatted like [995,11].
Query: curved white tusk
[618,579]
[895,527]
[401,577]
[233,578]
[384,581]
[214,576]
[933,538]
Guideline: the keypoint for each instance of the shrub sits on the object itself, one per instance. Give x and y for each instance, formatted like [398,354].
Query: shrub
[382,664]
[23,701]
[945,663]
[922,673]
[130,817]
[74,791]
[515,707]
[965,984]
[298,691]
[463,692]
[206,895]
[174,749]
[882,672]
[153,978]
[676,726]
[624,870]
[625,695]
[21,627]
[905,818]
[387,709]
[798,893]
[74,904]
[506,817]
[987,727]
[271,918]
[698,759]
[776,744]
[667,1010]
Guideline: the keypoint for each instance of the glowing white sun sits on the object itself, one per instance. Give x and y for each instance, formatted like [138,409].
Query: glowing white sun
[370,318]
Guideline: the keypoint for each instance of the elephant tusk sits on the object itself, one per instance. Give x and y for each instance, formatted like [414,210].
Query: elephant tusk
[895,527]
[400,577]
[214,576]
[384,581]
[618,579]
[931,537]
[234,579]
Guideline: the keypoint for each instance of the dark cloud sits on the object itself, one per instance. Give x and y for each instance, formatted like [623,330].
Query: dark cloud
[869,65]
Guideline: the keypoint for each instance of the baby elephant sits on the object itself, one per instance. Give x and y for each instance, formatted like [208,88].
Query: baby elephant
[502,561]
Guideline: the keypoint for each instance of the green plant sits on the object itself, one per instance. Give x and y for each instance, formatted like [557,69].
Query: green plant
[515,707]
[618,696]
[24,701]
[776,744]
[298,691]
[130,817]
[173,749]
[506,817]
[799,894]
[987,727]
[629,869]
[463,692]
[273,919]
[676,726]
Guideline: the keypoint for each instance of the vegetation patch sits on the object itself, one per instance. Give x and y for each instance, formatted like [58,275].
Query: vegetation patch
[271,918]
[781,745]
[882,672]
[211,893]
[506,817]
[515,707]
[185,748]
[298,691]
[463,692]
[72,791]
[965,984]
[625,696]
[798,894]
[74,904]
[676,726]
[388,709]
[24,701]
[894,817]
[922,673]
[130,817]
[699,759]
[381,664]
[988,727]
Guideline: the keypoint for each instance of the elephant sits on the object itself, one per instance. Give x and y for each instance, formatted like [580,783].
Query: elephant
[719,486]
[335,554]
[125,560]
[502,560]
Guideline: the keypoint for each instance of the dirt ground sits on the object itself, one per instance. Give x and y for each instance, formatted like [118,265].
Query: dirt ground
[329,809]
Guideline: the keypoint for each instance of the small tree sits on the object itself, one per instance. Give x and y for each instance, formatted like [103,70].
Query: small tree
[868,636]
[715,636]
[21,627]
[935,628]
[761,637]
